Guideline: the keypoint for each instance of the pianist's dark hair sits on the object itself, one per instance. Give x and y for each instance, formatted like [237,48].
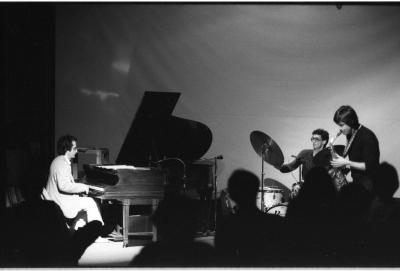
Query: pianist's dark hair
[64,144]
[348,115]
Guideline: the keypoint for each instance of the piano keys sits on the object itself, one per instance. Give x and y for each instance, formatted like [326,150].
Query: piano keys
[95,191]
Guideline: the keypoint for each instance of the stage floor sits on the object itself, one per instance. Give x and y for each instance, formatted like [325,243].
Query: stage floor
[111,254]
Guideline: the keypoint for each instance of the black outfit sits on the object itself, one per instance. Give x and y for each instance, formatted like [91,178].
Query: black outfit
[250,238]
[365,148]
[306,158]
[36,235]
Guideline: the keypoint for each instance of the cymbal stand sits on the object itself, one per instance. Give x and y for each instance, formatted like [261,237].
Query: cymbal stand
[300,174]
[264,149]
[215,194]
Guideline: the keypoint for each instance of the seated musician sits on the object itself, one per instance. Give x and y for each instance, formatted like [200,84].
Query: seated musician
[309,158]
[64,191]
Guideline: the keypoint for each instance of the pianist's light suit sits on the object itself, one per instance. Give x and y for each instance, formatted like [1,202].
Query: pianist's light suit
[63,190]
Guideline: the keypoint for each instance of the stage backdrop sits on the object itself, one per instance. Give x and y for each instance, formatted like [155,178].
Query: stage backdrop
[280,69]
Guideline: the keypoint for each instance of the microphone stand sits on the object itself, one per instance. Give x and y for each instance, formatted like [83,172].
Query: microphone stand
[214,188]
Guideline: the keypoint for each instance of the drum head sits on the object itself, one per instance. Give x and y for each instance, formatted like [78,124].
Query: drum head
[274,184]
[268,189]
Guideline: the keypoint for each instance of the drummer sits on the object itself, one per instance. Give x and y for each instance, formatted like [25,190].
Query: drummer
[319,155]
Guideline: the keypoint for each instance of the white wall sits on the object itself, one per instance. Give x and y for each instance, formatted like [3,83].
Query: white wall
[281,69]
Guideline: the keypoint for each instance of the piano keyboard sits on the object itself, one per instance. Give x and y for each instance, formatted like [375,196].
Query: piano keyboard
[96,188]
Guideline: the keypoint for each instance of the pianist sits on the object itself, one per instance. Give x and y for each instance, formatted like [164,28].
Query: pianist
[65,192]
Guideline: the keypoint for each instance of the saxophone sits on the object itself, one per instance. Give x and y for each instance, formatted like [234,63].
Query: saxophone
[337,174]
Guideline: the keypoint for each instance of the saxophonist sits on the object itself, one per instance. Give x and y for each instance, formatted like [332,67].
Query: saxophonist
[361,154]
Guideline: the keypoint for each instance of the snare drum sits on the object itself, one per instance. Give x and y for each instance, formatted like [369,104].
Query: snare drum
[279,209]
[272,197]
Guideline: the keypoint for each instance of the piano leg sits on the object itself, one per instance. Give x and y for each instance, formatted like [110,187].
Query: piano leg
[125,221]
[154,207]
[126,203]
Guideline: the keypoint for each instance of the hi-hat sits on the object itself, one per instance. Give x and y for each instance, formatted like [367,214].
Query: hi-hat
[267,148]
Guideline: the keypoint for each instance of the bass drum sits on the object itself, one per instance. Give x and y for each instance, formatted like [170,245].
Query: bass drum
[272,197]
[279,209]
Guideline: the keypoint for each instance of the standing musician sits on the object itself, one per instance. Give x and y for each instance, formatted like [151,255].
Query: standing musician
[362,147]
[309,158]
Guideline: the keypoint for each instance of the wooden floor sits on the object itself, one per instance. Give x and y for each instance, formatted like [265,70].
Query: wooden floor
[111,254]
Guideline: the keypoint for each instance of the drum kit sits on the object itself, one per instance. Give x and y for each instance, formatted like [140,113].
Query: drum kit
[272,195]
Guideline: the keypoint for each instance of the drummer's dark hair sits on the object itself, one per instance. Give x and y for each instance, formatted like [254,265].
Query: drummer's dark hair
[324,135]
[348,115]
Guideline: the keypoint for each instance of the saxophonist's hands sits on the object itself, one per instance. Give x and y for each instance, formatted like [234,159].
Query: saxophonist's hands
[339,161]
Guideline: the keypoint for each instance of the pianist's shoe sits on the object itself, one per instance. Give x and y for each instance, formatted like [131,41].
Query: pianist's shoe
[107,230]
[102,240]
[116,236]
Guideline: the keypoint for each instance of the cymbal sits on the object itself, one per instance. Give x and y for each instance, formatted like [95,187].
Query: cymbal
[266,148]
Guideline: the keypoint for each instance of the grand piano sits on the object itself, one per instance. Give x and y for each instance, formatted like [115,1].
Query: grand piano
[160,154]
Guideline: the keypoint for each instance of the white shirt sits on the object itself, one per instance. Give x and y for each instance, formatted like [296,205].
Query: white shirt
[61,187]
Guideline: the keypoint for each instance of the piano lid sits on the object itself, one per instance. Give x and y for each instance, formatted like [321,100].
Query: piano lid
[155,133]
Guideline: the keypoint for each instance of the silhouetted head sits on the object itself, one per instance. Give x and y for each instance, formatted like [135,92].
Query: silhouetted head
[243,187]
[316,201]
[385,180]
[176,218]
[354,201]
[318,185]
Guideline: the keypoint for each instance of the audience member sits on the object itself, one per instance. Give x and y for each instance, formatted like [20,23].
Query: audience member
[36,235]
[384,207]
[176,223]
[248,237]
[383,219]
[352,210]
[311,218]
